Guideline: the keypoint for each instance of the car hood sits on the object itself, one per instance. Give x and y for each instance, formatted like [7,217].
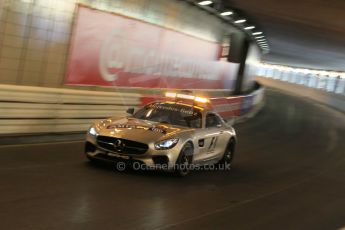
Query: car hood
[139,130]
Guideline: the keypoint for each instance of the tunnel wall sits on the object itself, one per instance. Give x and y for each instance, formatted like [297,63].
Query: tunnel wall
[35,34]
[331,99]
[113,50]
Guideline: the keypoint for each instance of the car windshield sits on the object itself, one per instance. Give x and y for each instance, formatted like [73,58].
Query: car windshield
[174,114]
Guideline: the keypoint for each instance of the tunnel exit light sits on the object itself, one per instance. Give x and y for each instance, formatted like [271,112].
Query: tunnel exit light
[319,73]
[205,3]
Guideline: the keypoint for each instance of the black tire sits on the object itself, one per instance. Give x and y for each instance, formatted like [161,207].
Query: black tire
[184,160]
[228,156]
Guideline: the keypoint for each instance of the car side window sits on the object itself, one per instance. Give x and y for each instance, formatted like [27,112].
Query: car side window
[212,120]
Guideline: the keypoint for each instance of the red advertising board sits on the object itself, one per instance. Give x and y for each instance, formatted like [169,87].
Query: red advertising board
[113,50]
[227,107]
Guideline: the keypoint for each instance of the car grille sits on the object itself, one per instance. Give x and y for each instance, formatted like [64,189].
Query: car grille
[119,145]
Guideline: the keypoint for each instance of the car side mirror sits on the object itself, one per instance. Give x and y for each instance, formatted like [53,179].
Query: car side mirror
[130,111]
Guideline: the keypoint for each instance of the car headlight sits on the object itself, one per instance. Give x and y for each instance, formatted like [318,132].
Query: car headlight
[166,144]
[92,131]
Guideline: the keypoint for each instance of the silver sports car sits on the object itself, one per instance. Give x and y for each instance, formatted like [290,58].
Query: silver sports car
[177,134]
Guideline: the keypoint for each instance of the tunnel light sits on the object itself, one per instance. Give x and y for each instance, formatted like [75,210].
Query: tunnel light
[205,3]
[240,21]
[226,13]
[319,73]
[257,33]
[285,69]
[306,71]
[249,28]
[261,40]
[259,37]
[314,72]
[333,74]
[297,70]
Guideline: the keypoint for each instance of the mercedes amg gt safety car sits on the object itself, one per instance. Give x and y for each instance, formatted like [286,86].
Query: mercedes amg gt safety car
[177,132]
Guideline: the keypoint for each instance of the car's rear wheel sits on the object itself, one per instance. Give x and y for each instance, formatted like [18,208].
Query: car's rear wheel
[182,166]
[228,156]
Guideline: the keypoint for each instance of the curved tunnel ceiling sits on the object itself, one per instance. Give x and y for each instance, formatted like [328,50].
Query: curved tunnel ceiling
[307,33]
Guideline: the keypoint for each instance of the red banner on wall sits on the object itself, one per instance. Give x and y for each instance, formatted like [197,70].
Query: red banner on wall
[113,50]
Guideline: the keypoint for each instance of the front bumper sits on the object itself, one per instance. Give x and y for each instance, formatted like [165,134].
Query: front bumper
[151,158]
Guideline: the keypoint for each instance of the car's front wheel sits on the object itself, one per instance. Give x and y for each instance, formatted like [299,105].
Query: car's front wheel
[182,166]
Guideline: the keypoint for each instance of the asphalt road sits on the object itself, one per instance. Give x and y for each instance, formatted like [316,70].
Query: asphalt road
[289,173]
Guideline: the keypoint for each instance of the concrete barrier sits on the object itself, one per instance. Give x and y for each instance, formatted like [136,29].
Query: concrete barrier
[26,109]
[30,110]
[334,100]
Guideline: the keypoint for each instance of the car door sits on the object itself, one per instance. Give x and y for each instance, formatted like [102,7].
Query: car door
[210,139]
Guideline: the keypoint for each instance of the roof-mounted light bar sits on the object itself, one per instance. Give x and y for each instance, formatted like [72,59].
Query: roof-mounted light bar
[187,97]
